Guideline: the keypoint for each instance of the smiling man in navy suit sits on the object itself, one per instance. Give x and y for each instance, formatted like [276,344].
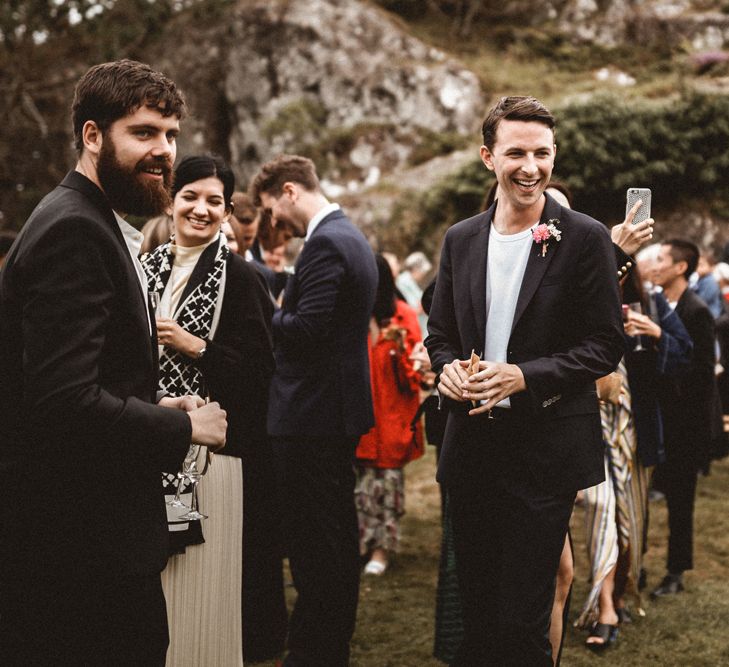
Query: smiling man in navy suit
[320,405]
[530,286]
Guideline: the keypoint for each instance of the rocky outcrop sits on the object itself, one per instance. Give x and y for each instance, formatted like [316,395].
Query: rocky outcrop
[665,22]
[337,79]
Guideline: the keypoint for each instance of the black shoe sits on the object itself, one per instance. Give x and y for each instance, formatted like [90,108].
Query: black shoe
[624,616]
[607,633]
[670,585]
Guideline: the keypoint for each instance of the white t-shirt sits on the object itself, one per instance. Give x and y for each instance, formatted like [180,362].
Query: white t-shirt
[507,260]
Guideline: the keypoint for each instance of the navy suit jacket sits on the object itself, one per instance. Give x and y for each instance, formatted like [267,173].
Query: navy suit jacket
[83,446]
[321,386]
[567,332]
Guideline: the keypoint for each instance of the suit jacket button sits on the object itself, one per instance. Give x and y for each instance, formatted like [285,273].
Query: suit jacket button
[545,404]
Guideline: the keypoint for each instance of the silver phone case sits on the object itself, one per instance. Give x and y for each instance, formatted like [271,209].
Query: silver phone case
[633,195]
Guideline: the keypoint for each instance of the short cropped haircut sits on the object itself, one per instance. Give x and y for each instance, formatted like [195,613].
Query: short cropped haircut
[283,169]
[684,251]
[527,109]
[110,91]
[244,211]
[196,167]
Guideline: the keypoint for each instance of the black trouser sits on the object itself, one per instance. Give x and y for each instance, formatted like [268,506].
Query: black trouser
[678,482]
[264,604]
[316,479]
[509,535]
[83,621]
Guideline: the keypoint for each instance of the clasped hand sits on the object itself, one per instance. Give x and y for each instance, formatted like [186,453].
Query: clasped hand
[172,335]
[492,383]
[208,420]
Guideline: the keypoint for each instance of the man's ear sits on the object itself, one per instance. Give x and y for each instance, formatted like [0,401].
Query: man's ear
[92,137]
[487,158]
[290,188]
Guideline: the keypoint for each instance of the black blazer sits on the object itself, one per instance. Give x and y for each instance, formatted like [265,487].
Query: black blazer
[321,386]
[83,443]
[567,332]
[687,400]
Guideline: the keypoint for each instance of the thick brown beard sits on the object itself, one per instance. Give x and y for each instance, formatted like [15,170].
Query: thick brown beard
[127,191]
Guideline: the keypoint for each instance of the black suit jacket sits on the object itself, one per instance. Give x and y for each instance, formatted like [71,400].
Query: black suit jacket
[687,399]
[83,443]
[567,332]
[321,386]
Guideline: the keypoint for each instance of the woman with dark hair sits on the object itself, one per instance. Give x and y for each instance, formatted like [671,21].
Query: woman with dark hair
[390,444]
[213,327]
[616,509]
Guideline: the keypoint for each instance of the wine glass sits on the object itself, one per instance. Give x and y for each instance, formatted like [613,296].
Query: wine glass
[197,455]
[177,501]
[637,308]
[154,299]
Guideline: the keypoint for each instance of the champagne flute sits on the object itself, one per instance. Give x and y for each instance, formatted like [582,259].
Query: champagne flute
[154,299]
[636,307]
[191,471]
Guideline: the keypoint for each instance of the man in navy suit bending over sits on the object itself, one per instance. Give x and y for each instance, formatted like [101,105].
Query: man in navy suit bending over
[320,405]
[530,286]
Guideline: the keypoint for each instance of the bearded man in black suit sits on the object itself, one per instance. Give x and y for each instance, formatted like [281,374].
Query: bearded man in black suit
[84,441]
[530,286]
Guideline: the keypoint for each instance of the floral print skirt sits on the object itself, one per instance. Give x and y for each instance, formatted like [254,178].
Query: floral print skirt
[379,495]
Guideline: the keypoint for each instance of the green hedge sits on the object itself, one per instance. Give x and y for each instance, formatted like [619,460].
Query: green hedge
[679,149]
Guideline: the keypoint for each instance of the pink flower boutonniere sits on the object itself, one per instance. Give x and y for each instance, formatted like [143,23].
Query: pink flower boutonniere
[544,232]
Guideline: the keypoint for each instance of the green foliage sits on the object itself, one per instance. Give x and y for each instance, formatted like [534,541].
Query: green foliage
[423,217]
[677,148]
[45,45]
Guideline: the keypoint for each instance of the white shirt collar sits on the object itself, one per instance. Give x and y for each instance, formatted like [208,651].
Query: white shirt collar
[323,213]
[133,240]
[132,237]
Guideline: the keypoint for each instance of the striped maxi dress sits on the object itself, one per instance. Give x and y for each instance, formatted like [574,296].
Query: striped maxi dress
[615,510]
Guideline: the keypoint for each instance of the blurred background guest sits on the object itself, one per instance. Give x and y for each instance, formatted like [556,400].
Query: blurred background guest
[721,273]
[616,509]
[244,222]
[410,283]
[213,324]
[706,286]
[156,231]
[391,443]
[688,407]
[227,230]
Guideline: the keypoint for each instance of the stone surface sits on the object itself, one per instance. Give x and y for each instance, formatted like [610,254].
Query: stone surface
[340,77]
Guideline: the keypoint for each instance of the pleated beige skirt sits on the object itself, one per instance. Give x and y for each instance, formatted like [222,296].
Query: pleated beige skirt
[203,586]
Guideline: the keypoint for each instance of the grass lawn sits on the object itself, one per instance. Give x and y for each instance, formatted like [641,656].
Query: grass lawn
[396,611]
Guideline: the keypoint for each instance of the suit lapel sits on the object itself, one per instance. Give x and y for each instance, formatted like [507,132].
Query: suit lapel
[536,264]
[77,181]
[478,251]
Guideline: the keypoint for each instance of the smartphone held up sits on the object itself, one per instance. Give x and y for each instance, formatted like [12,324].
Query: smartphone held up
[632,197]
